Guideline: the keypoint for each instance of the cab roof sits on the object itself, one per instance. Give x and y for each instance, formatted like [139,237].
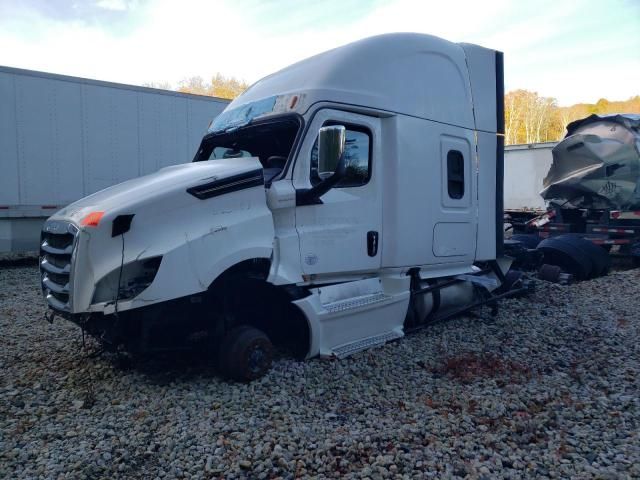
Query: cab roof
[407,73]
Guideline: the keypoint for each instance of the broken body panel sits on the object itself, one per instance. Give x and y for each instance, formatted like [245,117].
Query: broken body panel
[592,188]
[597,165]
[417,209]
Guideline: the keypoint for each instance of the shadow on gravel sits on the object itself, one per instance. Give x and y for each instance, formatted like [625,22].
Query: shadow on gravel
[178,367]
[165,368]
[18,262]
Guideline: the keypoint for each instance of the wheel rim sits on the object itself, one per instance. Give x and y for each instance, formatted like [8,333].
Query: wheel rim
[257,359]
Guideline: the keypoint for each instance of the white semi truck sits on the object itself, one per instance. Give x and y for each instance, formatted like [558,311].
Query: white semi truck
[332,207]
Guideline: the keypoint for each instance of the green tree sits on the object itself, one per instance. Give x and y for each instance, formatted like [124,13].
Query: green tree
[530,118]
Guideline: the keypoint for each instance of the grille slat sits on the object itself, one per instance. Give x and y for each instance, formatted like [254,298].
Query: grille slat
[56,249]
[60,261]
[57,304]
[57,240]
[51,267]
[55,286]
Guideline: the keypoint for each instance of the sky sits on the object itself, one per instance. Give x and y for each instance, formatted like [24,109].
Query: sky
[573,50]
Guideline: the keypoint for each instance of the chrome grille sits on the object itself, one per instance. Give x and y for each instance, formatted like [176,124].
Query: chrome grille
[56,250]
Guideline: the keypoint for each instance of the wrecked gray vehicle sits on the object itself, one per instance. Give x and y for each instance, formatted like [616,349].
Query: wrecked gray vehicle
[597,165]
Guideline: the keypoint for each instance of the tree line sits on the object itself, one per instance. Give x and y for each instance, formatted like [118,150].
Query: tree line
[529,117]
[218,85]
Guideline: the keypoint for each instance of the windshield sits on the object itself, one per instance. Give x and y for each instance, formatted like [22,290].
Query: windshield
[242,115]
[270,141]
[249,112]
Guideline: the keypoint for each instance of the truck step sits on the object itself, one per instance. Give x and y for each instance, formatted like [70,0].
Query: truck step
[358,302]
[353,316]
[359,345]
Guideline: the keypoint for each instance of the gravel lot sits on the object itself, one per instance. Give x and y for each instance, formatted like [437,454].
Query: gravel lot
[548,388]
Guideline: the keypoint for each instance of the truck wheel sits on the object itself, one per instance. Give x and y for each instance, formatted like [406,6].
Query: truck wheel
[528,240]
[567,256]
[599,256]
[245,354]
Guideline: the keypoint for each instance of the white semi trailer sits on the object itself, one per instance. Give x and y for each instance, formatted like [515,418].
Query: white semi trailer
[63,138]
[525,167]
[333,206]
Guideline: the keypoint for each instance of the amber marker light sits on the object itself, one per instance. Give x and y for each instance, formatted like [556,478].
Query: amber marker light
[92,220]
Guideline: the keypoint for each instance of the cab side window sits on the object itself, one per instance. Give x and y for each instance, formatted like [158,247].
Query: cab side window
[455,174]
[357,157]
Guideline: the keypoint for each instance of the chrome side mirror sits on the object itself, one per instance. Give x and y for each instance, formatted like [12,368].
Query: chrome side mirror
[331,166]
[331,145]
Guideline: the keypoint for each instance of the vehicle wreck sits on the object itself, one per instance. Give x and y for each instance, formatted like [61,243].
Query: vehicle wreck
[326,211]
[597,165]
[592,193]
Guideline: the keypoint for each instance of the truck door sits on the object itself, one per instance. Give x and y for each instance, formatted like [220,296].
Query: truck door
[341,235]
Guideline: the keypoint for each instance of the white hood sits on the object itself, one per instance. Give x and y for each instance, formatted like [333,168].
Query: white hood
[197,236]
[146,188]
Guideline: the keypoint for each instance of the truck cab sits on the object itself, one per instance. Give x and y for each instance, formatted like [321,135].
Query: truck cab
[331,207]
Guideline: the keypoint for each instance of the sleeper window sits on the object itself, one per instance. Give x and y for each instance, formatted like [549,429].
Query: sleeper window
[357,157]
[455,174]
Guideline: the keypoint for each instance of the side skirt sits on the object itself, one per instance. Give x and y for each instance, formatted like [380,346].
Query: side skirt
[351,317]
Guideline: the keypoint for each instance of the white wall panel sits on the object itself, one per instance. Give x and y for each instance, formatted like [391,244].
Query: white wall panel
[34,112]
[111,137]
[62,138]
[9,185]
[67,166]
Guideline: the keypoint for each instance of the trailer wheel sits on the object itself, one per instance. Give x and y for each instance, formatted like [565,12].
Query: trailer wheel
[245,354]
[528,240]
[567,256]
[599,256]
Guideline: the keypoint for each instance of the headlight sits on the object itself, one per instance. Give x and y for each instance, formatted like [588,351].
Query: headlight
[134,278]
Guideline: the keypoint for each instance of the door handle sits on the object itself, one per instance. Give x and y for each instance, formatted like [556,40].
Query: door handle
[372,243]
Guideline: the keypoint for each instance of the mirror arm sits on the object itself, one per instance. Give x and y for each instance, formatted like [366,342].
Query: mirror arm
[311,196]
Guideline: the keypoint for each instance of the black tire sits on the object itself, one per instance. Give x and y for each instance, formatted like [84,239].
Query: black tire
[245,354]
[567,256]
[528,240]
[224,349]
[599,256]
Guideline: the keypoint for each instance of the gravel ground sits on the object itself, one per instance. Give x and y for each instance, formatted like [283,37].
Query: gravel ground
[548,388]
